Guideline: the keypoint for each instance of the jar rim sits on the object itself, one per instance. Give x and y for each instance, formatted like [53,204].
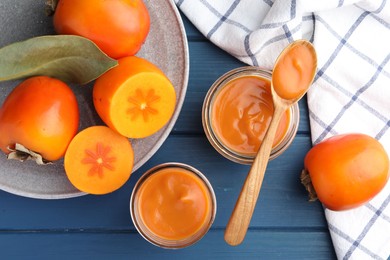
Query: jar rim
[167,243]
[214,140]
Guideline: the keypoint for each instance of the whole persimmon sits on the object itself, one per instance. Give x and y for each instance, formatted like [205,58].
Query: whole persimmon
[346,171]
[117,27]
[41,114]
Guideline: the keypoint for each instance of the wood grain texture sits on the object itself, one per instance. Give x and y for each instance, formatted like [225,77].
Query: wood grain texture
[259,244]
[283,201]
[201,77]
[284,225]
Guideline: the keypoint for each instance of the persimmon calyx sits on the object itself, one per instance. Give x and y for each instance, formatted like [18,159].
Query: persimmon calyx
[306,181]
[22,154]
[50,7]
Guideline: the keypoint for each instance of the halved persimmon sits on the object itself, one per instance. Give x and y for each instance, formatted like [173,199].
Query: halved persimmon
[99,160]
[135,98]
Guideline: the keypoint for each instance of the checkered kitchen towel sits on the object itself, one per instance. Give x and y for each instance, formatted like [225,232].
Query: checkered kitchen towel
[351,92]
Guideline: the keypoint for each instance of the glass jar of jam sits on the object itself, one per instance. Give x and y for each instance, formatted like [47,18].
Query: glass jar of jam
[237,111]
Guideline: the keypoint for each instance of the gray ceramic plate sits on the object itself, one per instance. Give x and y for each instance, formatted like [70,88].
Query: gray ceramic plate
[166,46]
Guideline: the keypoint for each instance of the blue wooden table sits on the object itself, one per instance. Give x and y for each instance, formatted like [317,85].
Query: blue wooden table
[284,226]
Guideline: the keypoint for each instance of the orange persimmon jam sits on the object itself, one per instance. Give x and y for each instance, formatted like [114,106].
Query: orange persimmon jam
[241,114]
[237,112]
[297,65]
[173,205]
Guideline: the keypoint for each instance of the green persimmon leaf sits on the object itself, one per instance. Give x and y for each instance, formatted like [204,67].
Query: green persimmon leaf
[72,59]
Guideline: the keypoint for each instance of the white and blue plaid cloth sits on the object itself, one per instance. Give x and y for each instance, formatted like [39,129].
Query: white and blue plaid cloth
[351,92]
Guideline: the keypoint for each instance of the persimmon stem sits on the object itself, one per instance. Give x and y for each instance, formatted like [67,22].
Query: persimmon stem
[306,181]
[50,7]
[22,154]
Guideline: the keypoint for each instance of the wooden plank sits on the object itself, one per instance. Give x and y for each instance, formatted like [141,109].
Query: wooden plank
[283,200]
[259,244]
[284,226]
[190,117]
[207,64]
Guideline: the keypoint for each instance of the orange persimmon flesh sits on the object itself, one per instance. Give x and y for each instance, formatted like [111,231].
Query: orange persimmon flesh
[99,160]
[174,203]
[293,72]
[242,112]
[135,98]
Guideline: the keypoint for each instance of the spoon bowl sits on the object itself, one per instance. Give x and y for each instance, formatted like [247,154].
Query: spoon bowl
[285,92]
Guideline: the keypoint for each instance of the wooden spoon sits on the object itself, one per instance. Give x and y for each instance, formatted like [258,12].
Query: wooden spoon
[293,74]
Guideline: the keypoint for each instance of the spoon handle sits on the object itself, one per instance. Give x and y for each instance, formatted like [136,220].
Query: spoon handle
[239,220]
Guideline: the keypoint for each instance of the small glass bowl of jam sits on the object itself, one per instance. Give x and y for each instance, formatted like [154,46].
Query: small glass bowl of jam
[237,111]
[173,205]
